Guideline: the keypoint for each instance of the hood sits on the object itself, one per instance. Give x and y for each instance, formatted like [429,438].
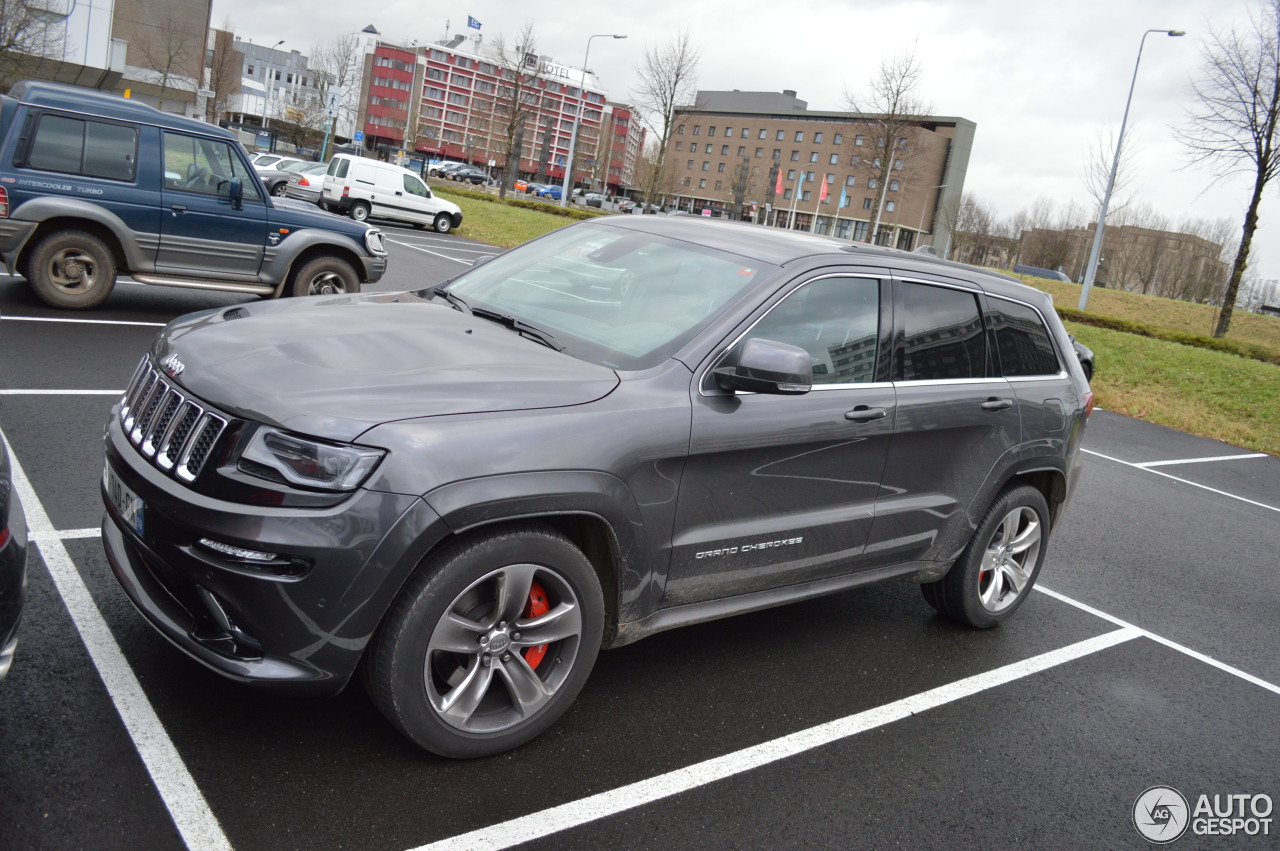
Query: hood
[297,214]
[334,367]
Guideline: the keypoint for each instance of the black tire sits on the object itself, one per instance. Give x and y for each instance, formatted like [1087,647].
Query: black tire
[443,223]
[325,276]
[1088,370]
[995,573]
[71,269]
[278,189]
[455,703]
[359,211]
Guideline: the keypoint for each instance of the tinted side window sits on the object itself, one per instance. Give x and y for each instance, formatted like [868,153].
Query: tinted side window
[92,148]
[338,168]
[1022,340]
[206,166]
[837,320]
[944,336]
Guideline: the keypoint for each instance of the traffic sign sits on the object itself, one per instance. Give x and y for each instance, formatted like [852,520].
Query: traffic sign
[357,136]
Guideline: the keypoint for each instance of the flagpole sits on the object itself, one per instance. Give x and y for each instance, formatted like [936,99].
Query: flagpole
[791,217]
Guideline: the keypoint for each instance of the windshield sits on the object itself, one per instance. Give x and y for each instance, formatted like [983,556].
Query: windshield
[610,296]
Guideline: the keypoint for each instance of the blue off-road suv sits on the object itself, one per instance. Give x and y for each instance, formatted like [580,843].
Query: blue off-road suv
[93,185]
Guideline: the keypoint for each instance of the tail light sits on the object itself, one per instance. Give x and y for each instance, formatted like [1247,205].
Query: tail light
[4,203]
[4,536]
[346,191]
[1088,404]
[302,181]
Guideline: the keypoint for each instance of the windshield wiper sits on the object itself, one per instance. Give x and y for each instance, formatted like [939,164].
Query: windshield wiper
[453,298]
[519,326]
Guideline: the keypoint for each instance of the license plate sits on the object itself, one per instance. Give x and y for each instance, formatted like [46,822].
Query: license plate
[125,501]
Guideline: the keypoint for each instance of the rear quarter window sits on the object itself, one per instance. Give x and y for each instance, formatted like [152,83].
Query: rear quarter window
[1022,340]
[78,146]
[944,338]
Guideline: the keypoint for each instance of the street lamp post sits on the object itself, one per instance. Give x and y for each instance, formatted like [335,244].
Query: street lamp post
[266,103]
[1111,180]
[577,120]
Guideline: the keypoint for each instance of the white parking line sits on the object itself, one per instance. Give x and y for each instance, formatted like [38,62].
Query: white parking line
[1184,481]
[434,253]
[1201,460]
[470,248]
[65,534]
[186,804]
[21,392]
[585,810]
[1194,654]
[11,318]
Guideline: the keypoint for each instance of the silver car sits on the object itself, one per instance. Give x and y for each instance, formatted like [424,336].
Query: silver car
[305,183]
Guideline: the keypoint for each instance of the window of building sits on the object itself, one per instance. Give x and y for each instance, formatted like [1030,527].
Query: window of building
[835,158]
[809,176]
[857,140]
[755,171]
[944,335]
[686,181]
[439,55]
[711,131]
[719,185]
[763,132]
[813,157]
[795,156]
[693,147]
[791,174]
[458,98]
[250,70]
[680,130]
[804,196]
[759,153]
[702,184]
[781,135]
[897,164]
[679,146]
[851,181]
[831,180]
[839,139]
[889,206]
[460,81]
[706,165]
[786,194]
[720,168]
[799,135]
[435,74]
[855,159]
[902,143]
[742,150]
[434,93]
[817,138]
[724,150]
[777,153]
[728,132]
[866,203]
[745,133]
[873,183]
[288,78]
[893,186]
[690,165]
[697,129]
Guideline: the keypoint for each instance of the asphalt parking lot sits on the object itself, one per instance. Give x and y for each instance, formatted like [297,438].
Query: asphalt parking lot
[860,720]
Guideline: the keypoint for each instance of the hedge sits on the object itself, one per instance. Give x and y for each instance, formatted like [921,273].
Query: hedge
[1252,351]
[540,206]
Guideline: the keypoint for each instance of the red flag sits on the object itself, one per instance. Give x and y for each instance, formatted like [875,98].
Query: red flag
[777,190]
[822,196]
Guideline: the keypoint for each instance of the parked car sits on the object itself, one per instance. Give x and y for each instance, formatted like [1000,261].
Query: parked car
[469,174]
[627,425]
[275,179]
[13,562]
[553,191]
[362,188]
[93,185]
[1085,356]
[593,199]
[626,206]
[442,169]
[521,186]
[305,183]
[1037,272]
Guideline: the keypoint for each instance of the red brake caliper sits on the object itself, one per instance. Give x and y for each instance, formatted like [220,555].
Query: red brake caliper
[536,607]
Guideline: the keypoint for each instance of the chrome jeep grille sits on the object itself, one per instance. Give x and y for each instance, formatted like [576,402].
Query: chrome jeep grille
[167,426]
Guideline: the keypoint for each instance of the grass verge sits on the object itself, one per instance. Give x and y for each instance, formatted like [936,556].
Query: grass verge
[508,223]
[1209,393]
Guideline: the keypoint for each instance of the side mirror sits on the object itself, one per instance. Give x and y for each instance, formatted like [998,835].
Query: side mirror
[236,192]
[767,366]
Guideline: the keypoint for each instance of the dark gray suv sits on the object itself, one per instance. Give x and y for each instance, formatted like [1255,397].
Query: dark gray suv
[628,425]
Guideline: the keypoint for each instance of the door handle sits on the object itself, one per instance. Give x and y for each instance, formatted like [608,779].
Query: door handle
[863,414]
[994,404]
[178,208]
[399,193]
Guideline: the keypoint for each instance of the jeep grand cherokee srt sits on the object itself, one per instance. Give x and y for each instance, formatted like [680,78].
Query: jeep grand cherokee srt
[625,426]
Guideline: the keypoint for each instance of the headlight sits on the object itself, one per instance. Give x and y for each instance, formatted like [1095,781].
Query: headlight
[277,455]
[373,241]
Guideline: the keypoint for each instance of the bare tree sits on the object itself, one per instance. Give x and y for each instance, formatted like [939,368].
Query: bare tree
[1234,122]
[668,78]
[223,73]
[1097,169]
[339,63]
[892,106]
[26,38]
[517,100]
[168,48]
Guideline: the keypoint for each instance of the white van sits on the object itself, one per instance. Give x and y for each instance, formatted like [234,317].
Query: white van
[363,187]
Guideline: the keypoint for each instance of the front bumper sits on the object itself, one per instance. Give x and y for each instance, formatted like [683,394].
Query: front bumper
[299,634]
[374,268]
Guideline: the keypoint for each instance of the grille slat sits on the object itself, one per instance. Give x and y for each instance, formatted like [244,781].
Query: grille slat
[167,426]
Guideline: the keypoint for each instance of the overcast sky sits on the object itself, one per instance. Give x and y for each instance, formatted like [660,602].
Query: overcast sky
[1041,79]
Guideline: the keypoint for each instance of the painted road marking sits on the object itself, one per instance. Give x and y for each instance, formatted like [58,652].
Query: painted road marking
[433,253]
[186,804]
[1202,460]
[1184,481]
[65,534]
[11,318]
[575,813]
